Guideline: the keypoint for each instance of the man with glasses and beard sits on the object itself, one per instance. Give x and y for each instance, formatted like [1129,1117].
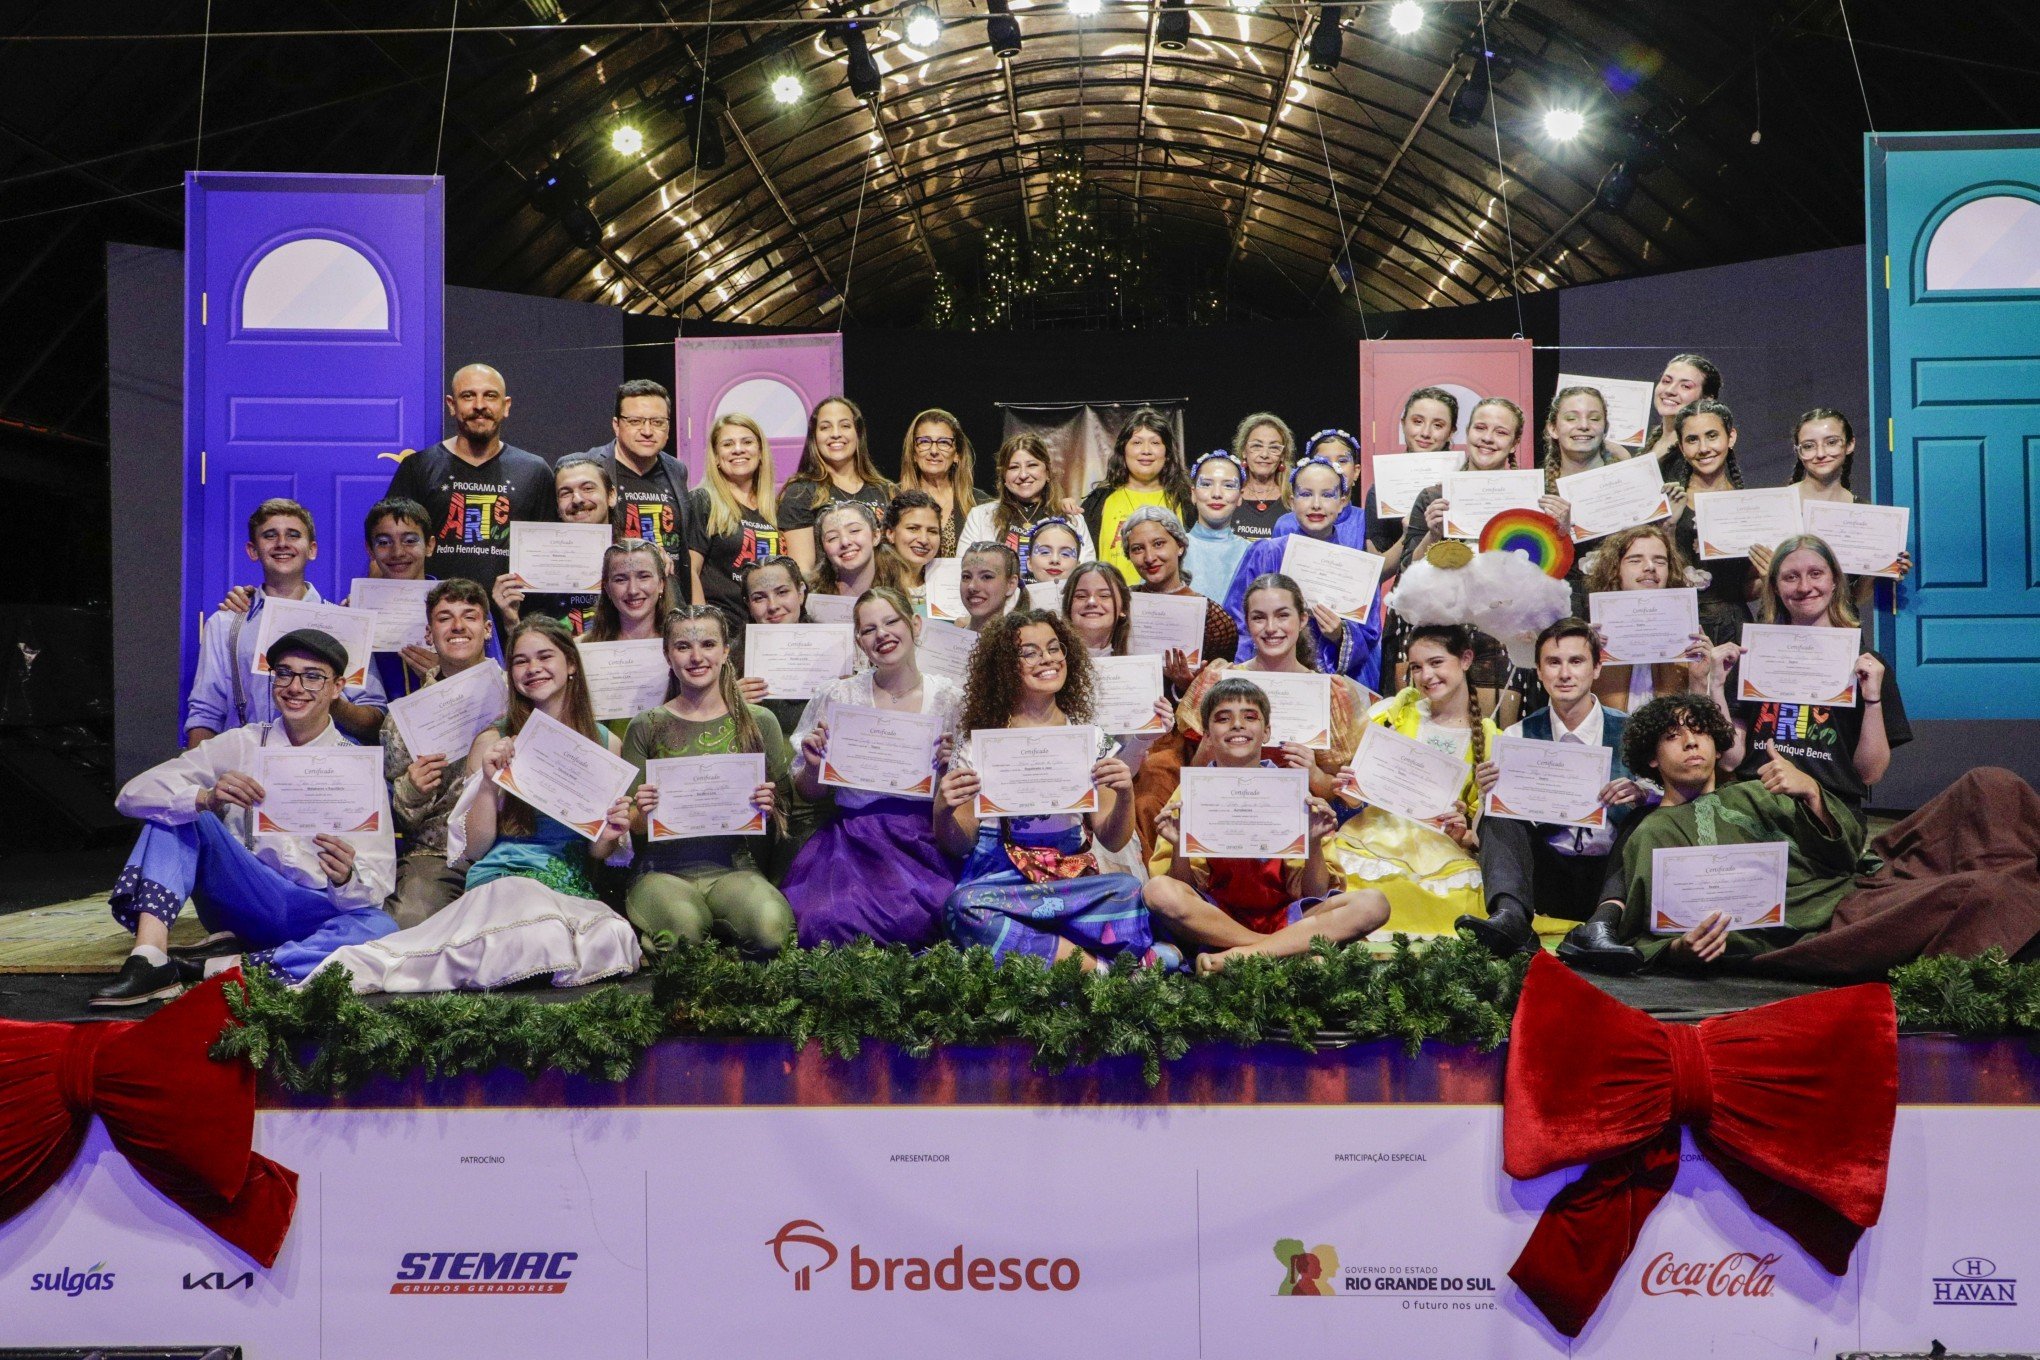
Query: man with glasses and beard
[651,484]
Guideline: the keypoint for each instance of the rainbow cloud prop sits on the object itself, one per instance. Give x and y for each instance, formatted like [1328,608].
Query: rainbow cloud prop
[1503,594]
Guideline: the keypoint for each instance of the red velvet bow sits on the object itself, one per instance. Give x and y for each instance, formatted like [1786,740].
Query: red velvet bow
[184,1121]
[1792,1103]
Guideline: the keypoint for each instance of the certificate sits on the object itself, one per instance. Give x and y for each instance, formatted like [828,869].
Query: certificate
[1474,498]
[1034,771]
[625,678]
[841,609]
[320,791]
[1787,665]
[796,659]
[1619,496]
[1340,578]
[398,607]
[1556,782]
[1045,596]
[1158,623]
[1255,813]
[558,559]
[1643,627]
[944,650]
[564,775]
[705,796]
[1629,402]
[1867,539]
[1688,883]
[1299,706]
[1400,477]
[353,629]
[1408,777]
[445,717]
[1123,694]
[882,750]
[1729,522]
[939,582]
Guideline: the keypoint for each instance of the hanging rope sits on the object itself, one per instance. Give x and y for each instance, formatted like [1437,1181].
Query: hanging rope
[1339,215]
[850,265]
[1857,62]
[204,61]
[446,87]
[1501,171]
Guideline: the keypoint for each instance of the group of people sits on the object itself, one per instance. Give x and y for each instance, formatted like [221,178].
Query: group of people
[464,884]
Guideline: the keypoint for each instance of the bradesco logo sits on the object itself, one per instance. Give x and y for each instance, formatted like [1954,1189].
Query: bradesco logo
[801,1249]
[484,1272]
[72,1282]
[1738,1275]
[1973,1281]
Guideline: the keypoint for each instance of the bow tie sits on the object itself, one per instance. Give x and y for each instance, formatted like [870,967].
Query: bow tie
[184,1121]
[1793,1103]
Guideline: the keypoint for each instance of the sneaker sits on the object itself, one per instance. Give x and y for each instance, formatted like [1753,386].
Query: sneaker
[139,981]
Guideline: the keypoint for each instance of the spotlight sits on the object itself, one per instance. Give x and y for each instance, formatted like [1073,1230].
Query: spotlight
[1616,187]
[1407,17]
[1327,40]
[1002,31]
[924,27]
[1085,9]
[626,139]
[1469,101]
[786,88]
[864,80]
[1172,29]
[1246,6]
[698,104]
[1562,125]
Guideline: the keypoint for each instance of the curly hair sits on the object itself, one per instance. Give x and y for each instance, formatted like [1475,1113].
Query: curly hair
[992,690]
[1604,576]
[1651,723]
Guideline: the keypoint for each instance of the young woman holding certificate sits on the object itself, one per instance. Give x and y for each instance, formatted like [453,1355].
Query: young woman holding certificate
[735,519]
[1575,440]
[1705,463]
[1228,908]
[1026,494]
[584,493]
[689,886]
[1319,509]
[1098,604]
[1155,541]
[1646,558]
[1426,869]
[1823,455]
[1430,419]
[1030,883]
[775,593]
[873,871]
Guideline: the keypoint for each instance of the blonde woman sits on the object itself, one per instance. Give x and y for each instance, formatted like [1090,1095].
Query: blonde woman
[735,519]
[937,459]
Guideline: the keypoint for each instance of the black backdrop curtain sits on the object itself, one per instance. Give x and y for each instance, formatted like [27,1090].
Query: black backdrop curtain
[1079,435]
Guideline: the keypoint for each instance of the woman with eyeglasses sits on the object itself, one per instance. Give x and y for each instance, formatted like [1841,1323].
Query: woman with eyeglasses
[1266,448]
[937,459]
[1823,455]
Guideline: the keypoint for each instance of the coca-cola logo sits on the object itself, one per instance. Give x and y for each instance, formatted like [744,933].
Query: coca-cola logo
[1738,1275]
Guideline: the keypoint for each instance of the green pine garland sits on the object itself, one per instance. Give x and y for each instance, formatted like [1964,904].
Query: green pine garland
[326,1040]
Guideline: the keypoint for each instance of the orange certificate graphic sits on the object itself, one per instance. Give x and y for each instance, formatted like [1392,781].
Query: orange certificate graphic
[881,750]
[320,791]
[706,796]
[1035,771]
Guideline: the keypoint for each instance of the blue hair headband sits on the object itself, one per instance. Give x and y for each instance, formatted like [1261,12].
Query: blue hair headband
[1317,461]
[1051,522]
[1198,466]
[1343,436]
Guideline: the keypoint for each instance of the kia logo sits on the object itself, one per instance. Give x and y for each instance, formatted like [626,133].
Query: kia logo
[1975,1267]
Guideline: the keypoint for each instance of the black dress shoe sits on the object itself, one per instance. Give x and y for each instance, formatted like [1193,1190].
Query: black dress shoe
[1504,932]
[212,946]
[1592,947]
[139,981]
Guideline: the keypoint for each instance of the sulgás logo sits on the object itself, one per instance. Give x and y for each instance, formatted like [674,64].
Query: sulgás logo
[484,1272]
[1740,1274]
[1973,1281]
[953,1273]
[72,1282]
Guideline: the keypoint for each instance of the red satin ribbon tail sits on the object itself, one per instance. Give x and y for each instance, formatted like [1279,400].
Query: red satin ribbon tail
[256,1220]
[1827,1235]
[1589,1229]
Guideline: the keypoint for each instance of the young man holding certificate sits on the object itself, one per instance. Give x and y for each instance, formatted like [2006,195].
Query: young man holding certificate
[214,833]
[1222,907]
[1960,876]
[1551,814]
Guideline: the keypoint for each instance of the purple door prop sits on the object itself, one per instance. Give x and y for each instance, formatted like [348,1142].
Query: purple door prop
[312,351]
[775,380]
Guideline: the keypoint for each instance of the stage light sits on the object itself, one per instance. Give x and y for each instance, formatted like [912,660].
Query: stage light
[1172,29]
[1616,187]
[1246,6]
[1327,40]
[1562,125]
[864,81]
[924,27]
[1085,9]
[626,140]
[698,104]
[1407,17]
[1469,101]
[786,88]
[561,192]
[1002,31]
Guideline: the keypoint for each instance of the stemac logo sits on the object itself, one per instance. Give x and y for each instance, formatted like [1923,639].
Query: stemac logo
[950,1274]
[484,1272]
[1973,1281]
[1740,1274]
[72,1282]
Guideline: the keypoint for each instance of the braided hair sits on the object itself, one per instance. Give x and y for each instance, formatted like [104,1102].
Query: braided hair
[1457,638]
[1553,459]
[1706,406]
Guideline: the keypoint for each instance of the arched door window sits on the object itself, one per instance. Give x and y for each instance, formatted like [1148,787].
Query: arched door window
[1989,244]
[315,283]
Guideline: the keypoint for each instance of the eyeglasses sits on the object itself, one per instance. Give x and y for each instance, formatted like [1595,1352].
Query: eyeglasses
[926,441]
[645,422]
[1834,441]
[307,680]
[1051,652]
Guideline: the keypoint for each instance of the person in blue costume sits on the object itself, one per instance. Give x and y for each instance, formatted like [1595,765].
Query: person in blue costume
[1215,550]
[1319,507]
[1031,884]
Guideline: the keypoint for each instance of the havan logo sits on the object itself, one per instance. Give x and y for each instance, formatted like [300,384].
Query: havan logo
[1973,1281]
[950,1274]
[484,1272]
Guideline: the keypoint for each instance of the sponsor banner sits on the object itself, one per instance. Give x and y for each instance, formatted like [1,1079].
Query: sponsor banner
[992,1231]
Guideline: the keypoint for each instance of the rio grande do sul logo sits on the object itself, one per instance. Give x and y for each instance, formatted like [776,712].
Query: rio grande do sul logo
[801,1248]
[1738,1275]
